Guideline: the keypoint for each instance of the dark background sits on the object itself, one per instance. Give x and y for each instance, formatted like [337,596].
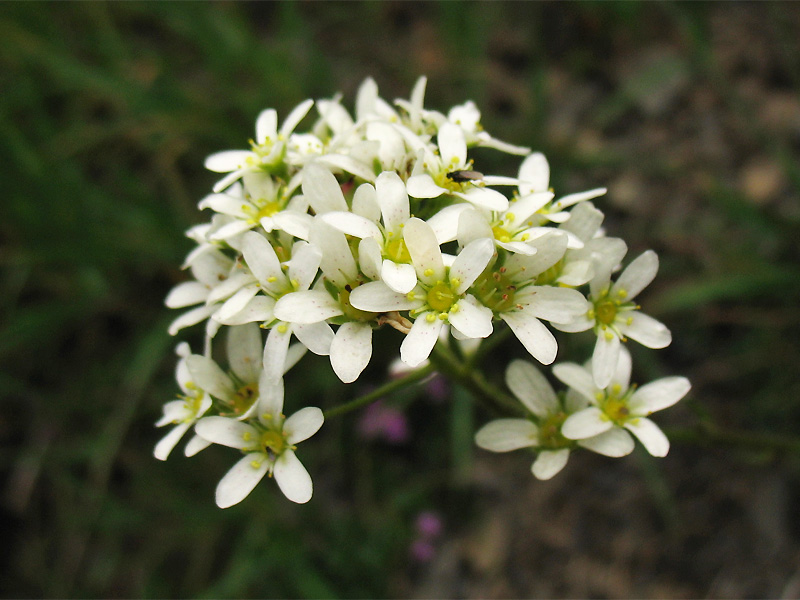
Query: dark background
[688,113]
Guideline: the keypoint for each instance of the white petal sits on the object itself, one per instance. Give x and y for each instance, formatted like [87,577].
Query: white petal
[245,348]
[317,337]
[267,126]
[259,309]
[190,318]
[473,225]
[586,423]
[304,264]
[195,445]
[369,258]
[533,334]
[549,463]
[393,200]
[452,146]
[605,358]
[365,203]
[646,330]
[242,478]
[348,164]
[292,222]
[659,394]
[185,294]
[227,432]
[584,221]
[337,262]
[577,378]
[297,115]
[352,224]
[169,441]
[230,286]
[504,435]
[528,384]
[652,438]
[420,341]
[472,320]
[230,230]
[377,297]
[226,205]
[636,276]
[275,349]
[270,399]
[322,190]
[303,424]
[401,278]
[293,479]
[445,223]
[209,377]
[522,208]
[535,173]
[423,186]
[561,305]
[261,258]
[622,373]
[228,160]
[571,199]
[485,198]
[424,250]
[614,443]
[237,302]
[309,306]
[471,262]
[351,350]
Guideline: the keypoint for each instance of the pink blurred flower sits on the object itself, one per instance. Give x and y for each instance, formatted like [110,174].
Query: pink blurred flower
[381,422]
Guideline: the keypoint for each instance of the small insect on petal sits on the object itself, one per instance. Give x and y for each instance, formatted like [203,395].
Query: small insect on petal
[462,176]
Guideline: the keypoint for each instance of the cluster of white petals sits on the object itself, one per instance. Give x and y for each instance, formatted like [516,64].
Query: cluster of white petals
[381,218]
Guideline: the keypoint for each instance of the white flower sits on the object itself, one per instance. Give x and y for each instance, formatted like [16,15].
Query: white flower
[534,178]
[183,412]
[267,152]
[269,445]
[468,117]
[511,291]
[382,246]
[543,430]
[620,406]
[613,315]
[440,296]
[435,175]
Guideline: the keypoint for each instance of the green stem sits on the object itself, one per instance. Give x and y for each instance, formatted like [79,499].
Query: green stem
[466,374]
[377,394]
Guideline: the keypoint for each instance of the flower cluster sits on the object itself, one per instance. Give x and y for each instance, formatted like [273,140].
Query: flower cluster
[381,218]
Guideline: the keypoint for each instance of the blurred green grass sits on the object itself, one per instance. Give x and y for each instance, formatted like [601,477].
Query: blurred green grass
[106,114]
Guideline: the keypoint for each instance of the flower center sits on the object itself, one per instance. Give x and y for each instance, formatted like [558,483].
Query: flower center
[496,290]
[268,209]
[441,297]
[397,251]
[273,441]
[616,409]
[244,398]
[606,311]
[550,431]
[501,234]
[549,276]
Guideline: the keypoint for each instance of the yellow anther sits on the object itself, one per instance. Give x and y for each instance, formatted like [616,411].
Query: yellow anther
[455,308]
[247,436]
[410,295]
[510,217]
[455,282]
[525,237]
[629,321]
[282,328]
[609,336]
[622,293]
[272,279]
[442,316]
[295,283]
[427,272]
[256,464]
[430,317]
[616,389]
[599,396]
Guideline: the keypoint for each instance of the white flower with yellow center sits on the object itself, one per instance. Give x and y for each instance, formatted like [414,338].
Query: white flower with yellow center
[267,152]
[534,178]
[543,430]
[269,445]
[620,406]
[450,173]
[440,297]
[512,292]
[192,404]
[614,316]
